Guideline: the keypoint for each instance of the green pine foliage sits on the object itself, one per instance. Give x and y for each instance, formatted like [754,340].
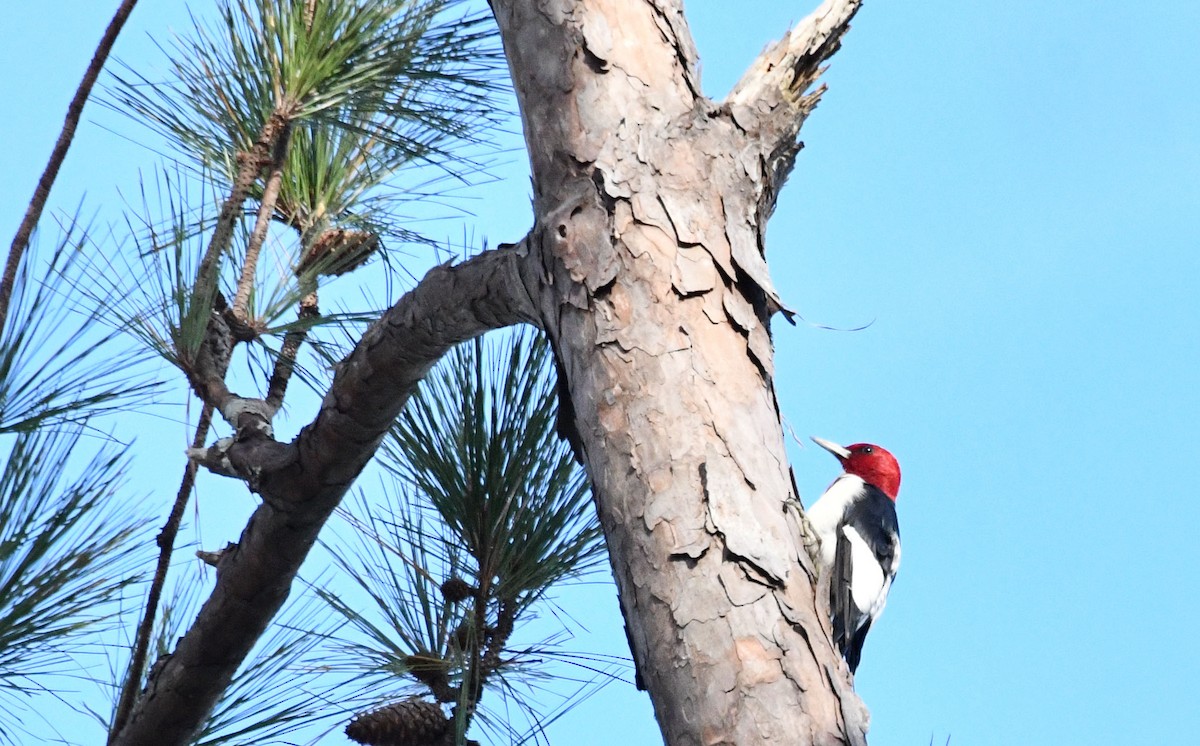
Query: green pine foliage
[490,513]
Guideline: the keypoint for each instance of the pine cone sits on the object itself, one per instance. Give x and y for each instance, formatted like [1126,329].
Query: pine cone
[338,251]
[456,589]
[409,722]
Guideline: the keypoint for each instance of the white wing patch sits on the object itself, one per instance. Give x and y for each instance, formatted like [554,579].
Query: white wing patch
[868,585]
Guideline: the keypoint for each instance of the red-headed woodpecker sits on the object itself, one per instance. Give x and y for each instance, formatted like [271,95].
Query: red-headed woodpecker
[860,540]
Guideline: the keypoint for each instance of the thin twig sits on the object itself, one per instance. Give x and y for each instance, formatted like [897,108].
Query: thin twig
[310,11]
[251,164]
[506,618]
[262,224]
[206,373]
[286,362]
[41,192]
[489,642]
[166,545]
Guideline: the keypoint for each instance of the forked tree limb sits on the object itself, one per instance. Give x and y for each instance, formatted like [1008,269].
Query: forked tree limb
[302,482]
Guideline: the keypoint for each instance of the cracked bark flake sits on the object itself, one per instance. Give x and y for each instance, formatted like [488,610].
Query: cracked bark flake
[693,274]
[758,664]
[746,251]
[734,579]
[751,527]
[603,27]
[693,218]
[693,609]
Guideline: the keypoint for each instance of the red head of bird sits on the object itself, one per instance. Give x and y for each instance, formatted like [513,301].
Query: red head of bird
[874,464]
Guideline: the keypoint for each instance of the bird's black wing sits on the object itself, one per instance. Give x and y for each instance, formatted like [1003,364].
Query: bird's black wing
[841,602]
[873,517]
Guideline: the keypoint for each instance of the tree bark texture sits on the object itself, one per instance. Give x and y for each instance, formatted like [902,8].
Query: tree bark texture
[654,288]
[645,267]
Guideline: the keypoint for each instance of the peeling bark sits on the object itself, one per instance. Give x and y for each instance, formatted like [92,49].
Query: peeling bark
[657,295]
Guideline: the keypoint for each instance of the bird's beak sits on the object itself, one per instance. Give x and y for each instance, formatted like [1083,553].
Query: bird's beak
[832,447]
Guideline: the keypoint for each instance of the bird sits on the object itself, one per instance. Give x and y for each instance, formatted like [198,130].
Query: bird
[856,522]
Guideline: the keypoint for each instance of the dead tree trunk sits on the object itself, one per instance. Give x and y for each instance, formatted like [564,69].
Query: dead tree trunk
[652,204]
[645,267]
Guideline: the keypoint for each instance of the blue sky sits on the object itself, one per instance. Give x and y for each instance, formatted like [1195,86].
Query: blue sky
[1010,194]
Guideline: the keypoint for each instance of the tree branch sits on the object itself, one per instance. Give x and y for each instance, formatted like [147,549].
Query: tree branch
[302,482]
[250,164]
[266,209]
[166,546]
[771,96]
[772,100]
[41,192]
[286,362]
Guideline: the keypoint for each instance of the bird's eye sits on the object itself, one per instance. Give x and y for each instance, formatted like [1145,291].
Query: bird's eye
[868,449]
